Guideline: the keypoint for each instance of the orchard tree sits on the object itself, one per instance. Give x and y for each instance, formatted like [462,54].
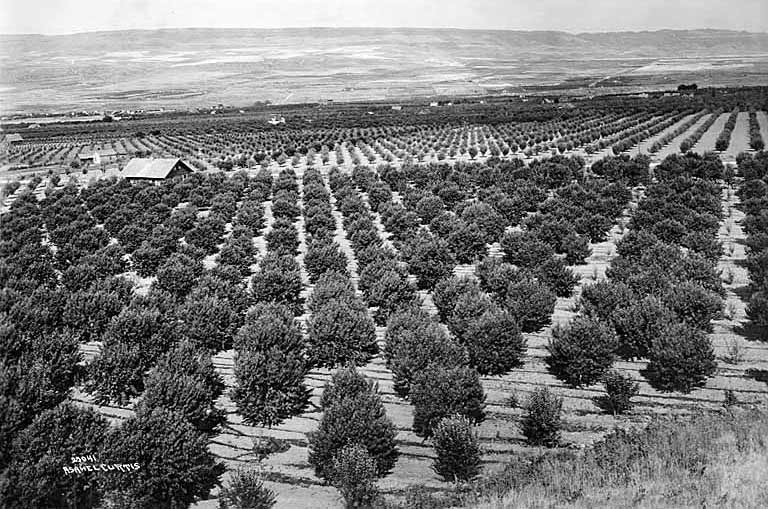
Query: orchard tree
[175,466]
[339,333]
[430,260]
[448,291]
[270,385]
[531,304]
[639,324]
[352,414]
[353,473]
[391,292]
[494,343]
[178,275]
[36,477]
[278,280]
[413,344]
[467,242]
[208,320]
[188,395]
[559,278]
[270,325]
[542,421]
[324,257]
[524,249]
[681,360]
[457,449]
[439,392]
[581,352]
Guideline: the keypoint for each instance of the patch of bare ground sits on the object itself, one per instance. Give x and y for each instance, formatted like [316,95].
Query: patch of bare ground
[762,119]
[673,147]
[739,138]
[707,141]
[644,147]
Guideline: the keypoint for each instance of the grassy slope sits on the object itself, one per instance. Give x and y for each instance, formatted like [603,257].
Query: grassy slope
[713,460]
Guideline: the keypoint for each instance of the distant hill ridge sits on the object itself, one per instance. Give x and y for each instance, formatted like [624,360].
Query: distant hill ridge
[651,43]
[199,67]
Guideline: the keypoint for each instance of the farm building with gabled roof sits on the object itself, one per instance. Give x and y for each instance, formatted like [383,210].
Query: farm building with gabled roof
[154,170]
[98,156]
[13,138]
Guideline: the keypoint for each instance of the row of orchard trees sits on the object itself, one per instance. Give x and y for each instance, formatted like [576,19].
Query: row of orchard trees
[63,284]
[659,299]
[753,194]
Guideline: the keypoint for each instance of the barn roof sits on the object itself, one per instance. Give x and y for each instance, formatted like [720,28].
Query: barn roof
[13,137]
[145,168]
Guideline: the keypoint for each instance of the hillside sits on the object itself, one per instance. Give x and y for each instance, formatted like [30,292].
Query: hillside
[183,68]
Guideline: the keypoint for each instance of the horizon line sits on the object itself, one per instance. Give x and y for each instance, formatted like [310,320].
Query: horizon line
[523,30]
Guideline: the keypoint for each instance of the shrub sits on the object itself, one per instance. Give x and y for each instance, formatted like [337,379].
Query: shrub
[619,391]
[438,392]
[681,359]
[581,352]
[457,449]
[270,385]
[246,490]
[541,423]
[353,473]
[352,414]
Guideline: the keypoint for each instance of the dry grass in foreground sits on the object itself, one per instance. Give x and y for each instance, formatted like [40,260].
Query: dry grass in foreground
[717,459]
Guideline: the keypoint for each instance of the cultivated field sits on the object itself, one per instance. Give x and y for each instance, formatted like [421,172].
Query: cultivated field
[502,178]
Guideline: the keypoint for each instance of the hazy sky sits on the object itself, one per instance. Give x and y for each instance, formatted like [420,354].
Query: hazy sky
[66,16]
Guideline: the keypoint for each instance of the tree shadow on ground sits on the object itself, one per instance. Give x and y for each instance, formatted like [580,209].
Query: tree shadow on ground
[761,375]
[752,332]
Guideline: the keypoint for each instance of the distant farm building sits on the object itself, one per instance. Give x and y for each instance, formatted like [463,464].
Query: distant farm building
[155,170]
[13,138]
[98,156]
[274,120]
